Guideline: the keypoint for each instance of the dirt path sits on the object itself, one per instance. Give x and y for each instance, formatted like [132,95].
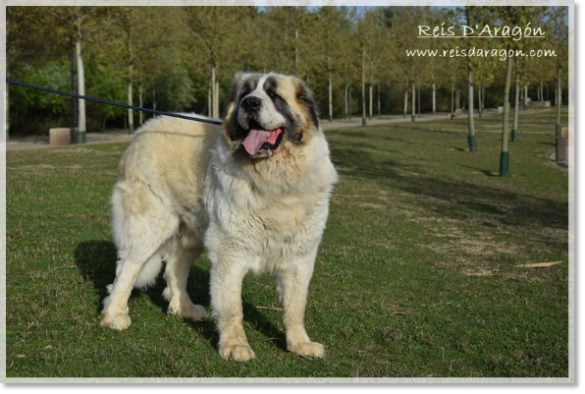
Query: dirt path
[42,142]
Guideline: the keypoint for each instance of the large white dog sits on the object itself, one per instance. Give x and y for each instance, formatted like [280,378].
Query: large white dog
[254,192]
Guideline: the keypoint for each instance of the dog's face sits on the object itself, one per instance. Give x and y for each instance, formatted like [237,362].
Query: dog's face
[267,112]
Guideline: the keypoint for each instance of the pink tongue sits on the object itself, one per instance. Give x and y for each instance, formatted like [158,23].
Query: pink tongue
[256,138]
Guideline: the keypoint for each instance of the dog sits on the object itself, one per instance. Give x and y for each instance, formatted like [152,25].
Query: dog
[254,193]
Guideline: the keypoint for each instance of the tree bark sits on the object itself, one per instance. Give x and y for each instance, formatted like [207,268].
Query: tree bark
[505,153]
[330,89]
[364,86]
[559,102]
[349,100]
[345,98]
[6,112]
[140,114]
[516,101]
[434,99]
[209,102]
[296,51]
[405,98]
[452,101]
[130,111]
[74,100]
[371,90]
[217,111]
[413,102]
[213,113]
[379,106]
[470,121]
[81,121]
[479,101]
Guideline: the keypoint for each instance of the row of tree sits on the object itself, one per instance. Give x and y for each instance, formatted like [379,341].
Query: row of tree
[182,58]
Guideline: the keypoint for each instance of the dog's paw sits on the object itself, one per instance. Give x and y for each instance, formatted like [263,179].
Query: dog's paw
[308,349]
[117,322]
[192,311]
[236,352]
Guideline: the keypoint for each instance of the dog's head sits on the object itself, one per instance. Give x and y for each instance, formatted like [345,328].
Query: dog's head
[268,111]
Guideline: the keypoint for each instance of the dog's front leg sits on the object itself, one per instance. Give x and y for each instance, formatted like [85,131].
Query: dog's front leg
[226,302]
[292,285]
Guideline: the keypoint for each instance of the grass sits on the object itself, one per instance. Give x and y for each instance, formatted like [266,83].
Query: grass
[417,274]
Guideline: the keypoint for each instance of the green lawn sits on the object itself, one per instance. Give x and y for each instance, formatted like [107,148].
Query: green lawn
[417,275]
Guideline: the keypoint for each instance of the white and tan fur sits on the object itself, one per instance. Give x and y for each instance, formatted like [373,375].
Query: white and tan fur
[185,185]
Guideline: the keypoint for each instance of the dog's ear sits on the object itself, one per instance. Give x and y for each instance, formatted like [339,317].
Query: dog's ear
[306,99]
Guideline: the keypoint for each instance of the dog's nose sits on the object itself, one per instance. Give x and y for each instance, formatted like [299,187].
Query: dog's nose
[251,103]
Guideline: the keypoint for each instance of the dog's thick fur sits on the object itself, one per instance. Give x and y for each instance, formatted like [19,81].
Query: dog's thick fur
[185,185]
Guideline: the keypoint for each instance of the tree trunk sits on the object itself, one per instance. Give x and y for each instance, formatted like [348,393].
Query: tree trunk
[217,111]
[505,153]
[74,100]
[470,121]
[405,98]
[525,96]
[153,95]
[345,98]
[209,102]
[413,105]
[330,90]
[457,98]
[213,113]
[559,103]
[516,101]
[434,99]
[379,111]
[140,115]
[296,51]
[479,101]
[364,86]
[81,125]
[371,90]
[371,102]
[130,111]
[349,100]
[6,112]
[452,101]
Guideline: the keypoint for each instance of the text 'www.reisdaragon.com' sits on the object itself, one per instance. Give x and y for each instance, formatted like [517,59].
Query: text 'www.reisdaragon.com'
[501,54]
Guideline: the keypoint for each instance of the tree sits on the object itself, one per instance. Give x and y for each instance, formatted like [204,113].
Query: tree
[331,22]
[134,39]
[505,153]
[216,42]
[559,37]
[78,21]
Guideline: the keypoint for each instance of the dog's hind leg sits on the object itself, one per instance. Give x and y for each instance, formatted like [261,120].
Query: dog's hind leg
[179,261]
[115,312]
[138,235]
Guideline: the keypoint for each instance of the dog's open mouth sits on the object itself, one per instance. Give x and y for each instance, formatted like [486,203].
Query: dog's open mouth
[262,142]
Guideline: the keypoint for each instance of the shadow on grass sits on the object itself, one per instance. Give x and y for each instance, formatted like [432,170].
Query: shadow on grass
[458,199]
[484,172]
[97,263]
